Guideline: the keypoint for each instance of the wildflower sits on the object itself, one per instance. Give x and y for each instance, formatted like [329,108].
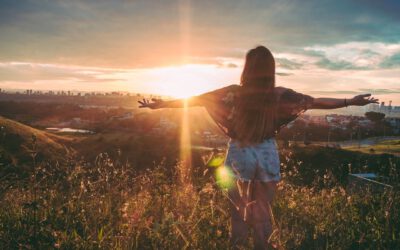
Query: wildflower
[292,204]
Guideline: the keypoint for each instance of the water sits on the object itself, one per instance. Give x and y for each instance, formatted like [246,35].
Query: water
[70,130]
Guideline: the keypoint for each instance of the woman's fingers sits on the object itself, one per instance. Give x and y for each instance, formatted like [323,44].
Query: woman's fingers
[364,99]
[373,100]
[144,103]
[365,95]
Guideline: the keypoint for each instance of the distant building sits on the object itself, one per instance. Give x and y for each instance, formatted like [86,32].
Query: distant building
[394,123]
[388,110]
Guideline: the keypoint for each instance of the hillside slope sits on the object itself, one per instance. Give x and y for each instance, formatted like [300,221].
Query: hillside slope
[17,143]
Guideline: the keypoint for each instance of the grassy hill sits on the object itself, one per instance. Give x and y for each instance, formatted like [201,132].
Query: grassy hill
[17,141]
[103,204]
[381,147]
[320,166]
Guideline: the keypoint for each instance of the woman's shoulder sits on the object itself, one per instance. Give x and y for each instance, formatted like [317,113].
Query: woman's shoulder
[222,92]
[230,88]
[280,90]
[292,101]
[288,94]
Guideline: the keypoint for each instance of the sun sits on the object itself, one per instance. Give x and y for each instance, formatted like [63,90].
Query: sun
[184,81]
[180,81]
[182,89]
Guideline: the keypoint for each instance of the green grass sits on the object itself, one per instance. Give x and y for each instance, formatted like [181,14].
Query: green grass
[382,147]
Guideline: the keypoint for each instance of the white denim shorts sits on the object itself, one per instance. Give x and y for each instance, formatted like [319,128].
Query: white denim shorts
[256,162]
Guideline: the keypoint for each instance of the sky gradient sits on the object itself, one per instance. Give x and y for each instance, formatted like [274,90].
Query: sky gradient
[180,48]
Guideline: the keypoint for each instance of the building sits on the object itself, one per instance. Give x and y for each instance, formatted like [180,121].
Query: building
[394,123]
[388,110]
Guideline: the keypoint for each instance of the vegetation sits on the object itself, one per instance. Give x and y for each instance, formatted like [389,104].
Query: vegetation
[375,116]
[107,204]
[381,147]
[15,140]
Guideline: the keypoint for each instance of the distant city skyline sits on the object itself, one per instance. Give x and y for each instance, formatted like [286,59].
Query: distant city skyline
[387,108]
[183,48]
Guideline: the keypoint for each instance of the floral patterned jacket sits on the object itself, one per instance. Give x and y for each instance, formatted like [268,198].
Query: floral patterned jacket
[220,104]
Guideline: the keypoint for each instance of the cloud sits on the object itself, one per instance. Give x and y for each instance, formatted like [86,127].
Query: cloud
[288,64]
[232,65]
[31,72]
[380,91]
[133,34]
[335,92]
[355,55]
[222,62]
[111,41]
[337,65]
[357,92]
[284,74]
[391,62]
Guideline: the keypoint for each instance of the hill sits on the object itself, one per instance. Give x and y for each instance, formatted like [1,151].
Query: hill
[19,141]
[320,166]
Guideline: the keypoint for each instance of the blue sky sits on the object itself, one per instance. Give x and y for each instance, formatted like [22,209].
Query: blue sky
[334,48]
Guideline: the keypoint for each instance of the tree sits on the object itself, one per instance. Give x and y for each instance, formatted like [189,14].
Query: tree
[377,118]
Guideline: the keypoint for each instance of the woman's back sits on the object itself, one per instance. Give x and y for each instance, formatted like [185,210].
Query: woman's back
[222,107]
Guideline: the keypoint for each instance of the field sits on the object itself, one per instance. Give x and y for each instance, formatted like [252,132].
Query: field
[381,147]
[111,203]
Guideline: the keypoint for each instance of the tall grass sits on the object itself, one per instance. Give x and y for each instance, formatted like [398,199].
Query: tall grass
[107,205]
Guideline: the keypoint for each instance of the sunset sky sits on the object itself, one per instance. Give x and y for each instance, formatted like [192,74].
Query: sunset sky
[181,48]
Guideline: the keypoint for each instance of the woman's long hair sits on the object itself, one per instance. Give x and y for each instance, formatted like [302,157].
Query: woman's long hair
[255,107]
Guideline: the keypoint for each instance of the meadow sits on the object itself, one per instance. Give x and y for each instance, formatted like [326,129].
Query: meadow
[381,147]
[107,204]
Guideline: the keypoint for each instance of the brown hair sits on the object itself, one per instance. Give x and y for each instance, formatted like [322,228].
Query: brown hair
[255,107]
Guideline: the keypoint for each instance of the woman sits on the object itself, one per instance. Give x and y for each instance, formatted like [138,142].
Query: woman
[251,114]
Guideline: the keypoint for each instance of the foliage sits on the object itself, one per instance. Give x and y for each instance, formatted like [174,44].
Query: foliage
[15,140]
[107,205]
[375,116]
[381,147]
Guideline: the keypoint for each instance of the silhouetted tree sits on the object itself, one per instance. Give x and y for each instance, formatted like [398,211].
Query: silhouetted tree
[377,118]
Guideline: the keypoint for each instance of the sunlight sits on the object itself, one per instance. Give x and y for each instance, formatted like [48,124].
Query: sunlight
[185,147]
[178,81]
[185,80]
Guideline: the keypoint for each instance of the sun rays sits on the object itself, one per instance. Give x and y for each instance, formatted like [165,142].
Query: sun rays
[185,146]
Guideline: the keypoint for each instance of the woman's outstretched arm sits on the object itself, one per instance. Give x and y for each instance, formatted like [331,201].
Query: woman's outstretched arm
[206,99]
[333,103]
[178,103]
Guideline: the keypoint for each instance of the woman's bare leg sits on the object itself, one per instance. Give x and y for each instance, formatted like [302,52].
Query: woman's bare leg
[238,199]
[263,193]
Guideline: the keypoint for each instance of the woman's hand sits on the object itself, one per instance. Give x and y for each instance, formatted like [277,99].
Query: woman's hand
[145,103]
[361,100]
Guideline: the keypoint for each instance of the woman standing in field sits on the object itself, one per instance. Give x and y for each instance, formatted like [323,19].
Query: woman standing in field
[251,114]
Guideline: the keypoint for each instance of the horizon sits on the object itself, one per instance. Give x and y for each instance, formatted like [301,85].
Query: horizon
[185,48]
[95,153]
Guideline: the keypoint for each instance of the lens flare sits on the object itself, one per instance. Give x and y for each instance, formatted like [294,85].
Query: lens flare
[225,177]
[185,146]
[216,161]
